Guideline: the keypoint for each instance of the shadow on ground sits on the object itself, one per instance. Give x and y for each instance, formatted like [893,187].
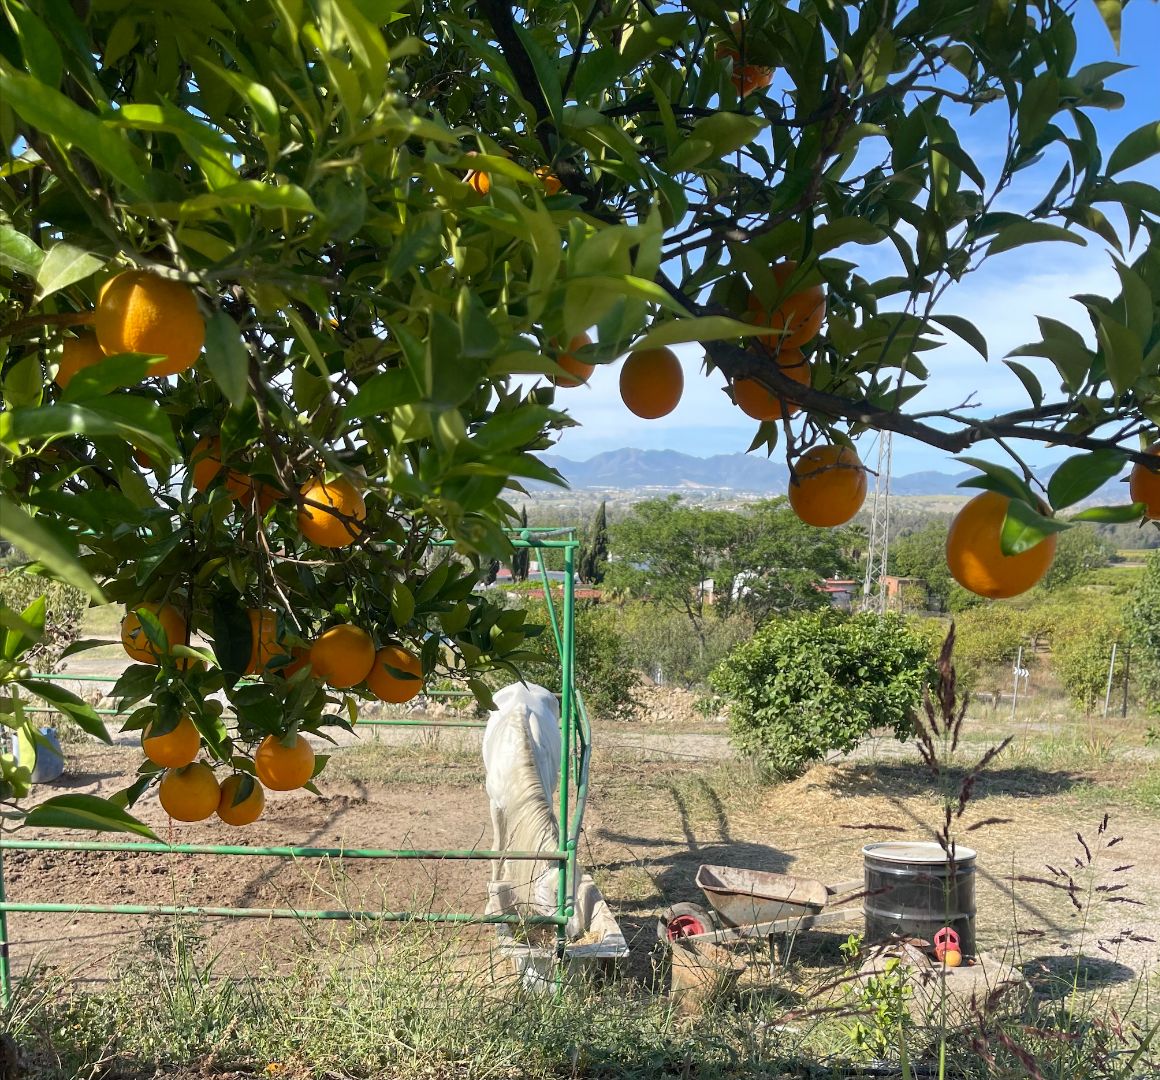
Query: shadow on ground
[904,780]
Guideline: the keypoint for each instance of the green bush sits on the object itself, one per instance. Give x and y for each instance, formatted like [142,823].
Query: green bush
[1081,649]
[603,672]
[1143,623]
[804,686]
[65,608]
[987,641]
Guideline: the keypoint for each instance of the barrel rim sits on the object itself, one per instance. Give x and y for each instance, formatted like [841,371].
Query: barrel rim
[962,854]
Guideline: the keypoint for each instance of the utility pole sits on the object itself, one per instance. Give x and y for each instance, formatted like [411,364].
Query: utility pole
[1111,674]
[878,548]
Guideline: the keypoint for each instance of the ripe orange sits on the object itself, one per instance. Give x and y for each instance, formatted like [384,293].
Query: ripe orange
[284,768]
[142,313]
[385,684]
[827,486]
[746,77]
[76,354]
[755,401]
[264,645]
[205,462]
[1144,484]
[136,641]
[578,370]
[241,801]
[343,656]
[976,560]
[651,382]
[549,179]
[175,748]
[299,658]
[191,793]
[332,513]
[479,181]
[800,314]
[952,958]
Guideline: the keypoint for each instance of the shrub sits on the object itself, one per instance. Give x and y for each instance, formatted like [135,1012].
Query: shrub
[804,686]
[65,608]
[1143,622]
[988,638]
[603,672]
[1081,651]
[661,644]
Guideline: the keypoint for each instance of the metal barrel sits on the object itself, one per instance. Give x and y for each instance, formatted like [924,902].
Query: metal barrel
[913,889]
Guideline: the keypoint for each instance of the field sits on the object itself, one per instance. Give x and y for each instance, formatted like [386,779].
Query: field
[121,997]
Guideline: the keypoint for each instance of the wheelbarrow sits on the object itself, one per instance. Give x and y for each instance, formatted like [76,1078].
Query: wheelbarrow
[749,904]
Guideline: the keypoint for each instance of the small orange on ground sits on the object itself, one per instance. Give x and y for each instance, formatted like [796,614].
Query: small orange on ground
[191,793]
[136,641]
[173,749]
[800,314]
[241,800]
[754,400]
[343,656]
[746,77]
[386,684]
[284,768]
[952,958]
[76,354]
[139,312]
[550,180]
[578,370]
[332,512]
[264,645]
[827,486]
[651,382]
[975,557]
[1144,485]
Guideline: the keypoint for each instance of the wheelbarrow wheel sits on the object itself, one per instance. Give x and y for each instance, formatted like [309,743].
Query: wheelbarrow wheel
[683,920]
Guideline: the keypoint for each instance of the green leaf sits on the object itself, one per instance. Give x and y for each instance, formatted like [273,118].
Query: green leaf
[1136,301]
[63,265]
[227,358]
[42,56]
[706,328]
[1038,105]
[958,156]
[252,193]
[1140,145]
[1031,232]
[128,416]
[997,478]
[87,813]
[25,630]
[232,636]
[382,393]
[547,74]
[18,252]
[849,230]
[1111,515]
[966,330]
[68,703]
[1110,11]
[402,605]
[1028,379]
[1024,527]
[40,544]
[1079,476]
[61,119]
[1123,352]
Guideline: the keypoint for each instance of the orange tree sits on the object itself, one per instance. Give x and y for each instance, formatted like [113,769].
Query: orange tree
[384,219]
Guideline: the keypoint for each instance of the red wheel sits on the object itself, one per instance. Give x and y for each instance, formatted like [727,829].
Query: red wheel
[683,920]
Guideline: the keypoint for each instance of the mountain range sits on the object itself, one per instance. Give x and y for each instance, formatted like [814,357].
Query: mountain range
[630,469]
[670,470]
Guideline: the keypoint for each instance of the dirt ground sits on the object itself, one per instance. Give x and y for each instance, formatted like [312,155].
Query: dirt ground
[662,803]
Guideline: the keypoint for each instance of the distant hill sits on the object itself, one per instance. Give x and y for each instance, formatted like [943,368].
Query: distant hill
[670,470]
[632,470]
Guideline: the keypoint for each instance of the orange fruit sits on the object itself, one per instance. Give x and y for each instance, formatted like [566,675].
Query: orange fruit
[331,513]
[385,684]
[799,314]
[264,644]
[952,958]
[205,462]
[175,748]
[343,656]
[478,181]
[190,793]
[284,768]
[549,179]
[299,658]
[827,486]
[76,354]
[578,370]
[241,800]
[1144,484]
[651,382]
[136,641]
[754,400]
[139,312]
[143,459]
[746,77]
[975,557]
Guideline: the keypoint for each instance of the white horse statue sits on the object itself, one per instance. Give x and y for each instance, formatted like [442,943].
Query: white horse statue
[521,759]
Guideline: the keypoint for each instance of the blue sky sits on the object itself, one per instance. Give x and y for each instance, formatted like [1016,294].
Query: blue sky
[1002,298]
